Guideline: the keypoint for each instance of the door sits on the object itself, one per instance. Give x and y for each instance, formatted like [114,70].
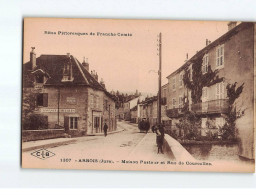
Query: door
[66,123]
[96,123]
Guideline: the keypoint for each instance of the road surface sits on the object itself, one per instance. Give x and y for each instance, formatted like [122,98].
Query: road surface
[124,147]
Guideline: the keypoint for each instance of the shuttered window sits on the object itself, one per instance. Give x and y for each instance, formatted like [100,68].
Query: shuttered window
[173,103]
[180,80]
[220,56]
[180,102]
[73,122]
[220,91]
[205,64]
[174,83]
[42,99]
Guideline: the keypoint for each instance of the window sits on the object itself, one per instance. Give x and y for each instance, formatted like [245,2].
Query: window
[97,102]
[173,102]
[106,104]
[204,94]
[220,56]
[220,91]
[180,101]
[180,80]
[73,122]
[190,73]
[205,64]
[174,83]
[92,100]
[42,99]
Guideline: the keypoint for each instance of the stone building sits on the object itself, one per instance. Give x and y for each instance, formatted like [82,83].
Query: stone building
[147,109]
[68,95]
[233,55]
[129,104]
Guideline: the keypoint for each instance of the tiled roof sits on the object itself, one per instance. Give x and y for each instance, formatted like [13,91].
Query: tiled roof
[53,65]
[149,100]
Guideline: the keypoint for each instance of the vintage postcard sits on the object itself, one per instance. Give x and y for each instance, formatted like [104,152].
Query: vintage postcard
[147,95]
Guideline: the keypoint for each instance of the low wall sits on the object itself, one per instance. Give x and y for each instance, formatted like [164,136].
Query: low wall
[175,150]
[33,135]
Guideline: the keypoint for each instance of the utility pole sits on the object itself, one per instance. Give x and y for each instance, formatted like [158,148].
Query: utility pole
[159,77]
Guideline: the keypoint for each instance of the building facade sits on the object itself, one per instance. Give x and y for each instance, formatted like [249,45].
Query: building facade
[130,104]
[233,56]
[68,95]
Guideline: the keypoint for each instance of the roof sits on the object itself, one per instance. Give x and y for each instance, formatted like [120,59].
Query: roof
[53,65]
[149,100]
[134,108]
[218,41]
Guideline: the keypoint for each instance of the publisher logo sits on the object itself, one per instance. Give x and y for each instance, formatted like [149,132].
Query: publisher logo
[43,154]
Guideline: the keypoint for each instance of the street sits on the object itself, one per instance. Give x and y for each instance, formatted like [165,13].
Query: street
[125,148]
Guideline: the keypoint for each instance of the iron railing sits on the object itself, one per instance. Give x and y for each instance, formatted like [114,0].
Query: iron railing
[211,107]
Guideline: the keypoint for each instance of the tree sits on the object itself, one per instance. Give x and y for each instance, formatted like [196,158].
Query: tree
[199,80]
[229,129]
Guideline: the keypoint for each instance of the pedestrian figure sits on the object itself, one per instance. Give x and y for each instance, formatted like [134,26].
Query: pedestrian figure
[153,128]
[105,128]
[159,138]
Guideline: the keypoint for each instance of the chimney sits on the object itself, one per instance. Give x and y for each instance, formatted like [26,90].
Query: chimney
[186,57]
[86,64]
[207,42]
[68,54]
[231,25]
[33,58]
[96,76]
[102,83]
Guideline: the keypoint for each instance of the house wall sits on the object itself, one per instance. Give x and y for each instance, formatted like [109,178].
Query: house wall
[239,67]
[180,90]
[101,110]
[239,59]
[72,102]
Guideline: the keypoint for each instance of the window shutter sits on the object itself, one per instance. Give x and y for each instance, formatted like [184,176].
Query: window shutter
[217,91]
[45,99]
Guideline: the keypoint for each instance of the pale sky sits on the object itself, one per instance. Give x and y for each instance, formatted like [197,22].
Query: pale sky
[123,62]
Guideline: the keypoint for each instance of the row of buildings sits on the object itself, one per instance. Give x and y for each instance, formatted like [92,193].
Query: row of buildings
[68,94]
[231,58]
[145,108]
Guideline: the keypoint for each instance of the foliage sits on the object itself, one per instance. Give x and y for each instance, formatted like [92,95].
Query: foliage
[229,129]
[35,122]
[28,103]
[199,80]
[189,124]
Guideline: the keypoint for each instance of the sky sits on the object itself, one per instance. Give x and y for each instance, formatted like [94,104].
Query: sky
[125,63]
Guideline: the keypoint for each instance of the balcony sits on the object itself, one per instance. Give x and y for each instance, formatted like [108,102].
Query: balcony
[174,113]
[211,107]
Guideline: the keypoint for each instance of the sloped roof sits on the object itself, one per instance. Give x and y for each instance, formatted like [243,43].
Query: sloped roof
[53,65]
[149,100]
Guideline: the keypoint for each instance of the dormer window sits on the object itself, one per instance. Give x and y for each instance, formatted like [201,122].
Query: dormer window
[39,78]
[67,73]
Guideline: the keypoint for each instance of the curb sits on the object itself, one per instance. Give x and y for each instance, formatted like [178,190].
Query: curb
[50,145]
[73,140]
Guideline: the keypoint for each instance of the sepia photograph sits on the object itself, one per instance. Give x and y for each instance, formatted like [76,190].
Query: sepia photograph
[141,95]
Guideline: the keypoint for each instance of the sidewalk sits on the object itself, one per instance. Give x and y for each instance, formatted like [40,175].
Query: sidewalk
[49,143]
[147,149]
